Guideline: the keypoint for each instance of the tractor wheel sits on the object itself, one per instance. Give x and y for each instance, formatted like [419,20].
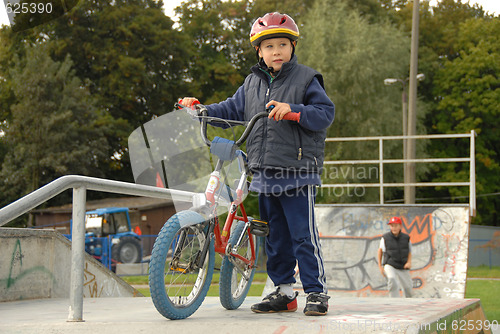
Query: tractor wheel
[128,250]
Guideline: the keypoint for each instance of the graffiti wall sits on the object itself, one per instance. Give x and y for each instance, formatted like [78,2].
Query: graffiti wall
[36,264]
[350,238]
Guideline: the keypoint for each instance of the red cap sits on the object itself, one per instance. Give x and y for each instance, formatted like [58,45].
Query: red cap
[395,220]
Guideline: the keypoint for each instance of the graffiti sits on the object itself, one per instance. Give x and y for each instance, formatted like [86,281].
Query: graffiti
[350,237]
[90,282]
[16,270]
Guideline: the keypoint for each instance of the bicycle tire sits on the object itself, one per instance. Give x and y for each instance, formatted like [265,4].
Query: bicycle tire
[233,287]
[176,289]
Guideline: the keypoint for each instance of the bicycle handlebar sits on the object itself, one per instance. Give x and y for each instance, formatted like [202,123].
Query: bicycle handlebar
[291,116]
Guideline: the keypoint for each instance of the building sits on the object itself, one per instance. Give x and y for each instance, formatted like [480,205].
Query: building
[149,214]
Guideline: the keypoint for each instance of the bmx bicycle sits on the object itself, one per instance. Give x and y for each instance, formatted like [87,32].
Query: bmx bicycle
[183,256]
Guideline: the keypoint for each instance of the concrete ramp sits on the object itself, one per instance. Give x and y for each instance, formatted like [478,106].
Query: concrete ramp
[347,315]
[37,264]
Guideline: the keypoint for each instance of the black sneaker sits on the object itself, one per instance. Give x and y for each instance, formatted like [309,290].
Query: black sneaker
[316,304]
[276,302]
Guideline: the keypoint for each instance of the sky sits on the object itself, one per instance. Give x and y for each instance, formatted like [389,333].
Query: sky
[491,6]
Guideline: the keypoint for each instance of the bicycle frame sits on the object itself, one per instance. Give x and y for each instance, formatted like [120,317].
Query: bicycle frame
[222,245]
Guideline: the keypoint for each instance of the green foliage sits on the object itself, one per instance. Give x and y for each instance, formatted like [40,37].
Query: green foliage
[55,128]
[348,51]
[133,58]
[355,56]
[128,56]
[468,94]
[220,50]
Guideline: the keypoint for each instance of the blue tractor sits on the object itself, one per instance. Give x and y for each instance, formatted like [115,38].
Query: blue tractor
[108,231]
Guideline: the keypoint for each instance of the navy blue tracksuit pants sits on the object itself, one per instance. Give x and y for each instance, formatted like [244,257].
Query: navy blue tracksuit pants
[293,237]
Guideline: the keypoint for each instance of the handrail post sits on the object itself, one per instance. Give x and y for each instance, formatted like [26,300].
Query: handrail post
[472,176]
[381,166]
[77,255]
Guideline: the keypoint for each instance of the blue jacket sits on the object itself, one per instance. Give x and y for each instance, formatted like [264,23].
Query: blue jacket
[284,145]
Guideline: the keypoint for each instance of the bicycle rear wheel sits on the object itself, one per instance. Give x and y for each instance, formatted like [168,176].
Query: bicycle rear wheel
[235,276]
[178,286]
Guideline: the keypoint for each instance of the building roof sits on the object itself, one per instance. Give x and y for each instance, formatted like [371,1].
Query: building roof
[133,203]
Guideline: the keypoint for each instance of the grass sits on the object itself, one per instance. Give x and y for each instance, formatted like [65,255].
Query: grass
[143,279]
[258,284]
[486,290]
[483,272]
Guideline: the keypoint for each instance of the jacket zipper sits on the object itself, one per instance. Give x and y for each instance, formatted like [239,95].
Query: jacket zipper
[300,144]
[264,128]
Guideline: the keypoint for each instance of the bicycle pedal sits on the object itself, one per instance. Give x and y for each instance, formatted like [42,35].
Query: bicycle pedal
[259,228]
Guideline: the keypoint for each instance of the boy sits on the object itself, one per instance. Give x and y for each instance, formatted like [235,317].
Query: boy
[395,246]
[286,158]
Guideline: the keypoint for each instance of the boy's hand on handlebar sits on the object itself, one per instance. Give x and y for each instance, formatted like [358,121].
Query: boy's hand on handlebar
[189,101]
[192,106]
[279,111]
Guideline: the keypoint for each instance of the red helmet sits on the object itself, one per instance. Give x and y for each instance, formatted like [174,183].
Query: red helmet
[273,25]
[395,220]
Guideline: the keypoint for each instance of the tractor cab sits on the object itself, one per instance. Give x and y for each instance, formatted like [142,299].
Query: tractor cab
[109,236]
[104,222]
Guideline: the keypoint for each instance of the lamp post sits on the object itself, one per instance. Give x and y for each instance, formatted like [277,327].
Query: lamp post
[412,105]
[404,101]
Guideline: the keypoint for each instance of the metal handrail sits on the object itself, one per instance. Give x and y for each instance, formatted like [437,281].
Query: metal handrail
[381,162]
[80,185]
[437,136]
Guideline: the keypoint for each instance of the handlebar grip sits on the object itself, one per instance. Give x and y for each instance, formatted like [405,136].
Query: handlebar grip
[292,116]
[192,106]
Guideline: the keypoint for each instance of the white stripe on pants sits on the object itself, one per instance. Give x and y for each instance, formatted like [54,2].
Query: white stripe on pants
[398,279]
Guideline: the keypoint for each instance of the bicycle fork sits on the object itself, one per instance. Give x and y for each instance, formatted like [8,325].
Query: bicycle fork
[233,254]
[196,261]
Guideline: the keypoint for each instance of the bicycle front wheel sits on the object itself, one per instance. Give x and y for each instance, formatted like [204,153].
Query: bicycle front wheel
[235,275]
[177,283]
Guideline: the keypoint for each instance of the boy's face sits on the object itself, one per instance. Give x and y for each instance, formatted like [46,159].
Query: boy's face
[395,228]
[276,52]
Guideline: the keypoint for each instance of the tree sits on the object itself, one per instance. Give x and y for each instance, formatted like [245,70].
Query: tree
[55,127]
[438,27]
[355,57]
[441,42]
[467,88]
[128,55]
[219,45]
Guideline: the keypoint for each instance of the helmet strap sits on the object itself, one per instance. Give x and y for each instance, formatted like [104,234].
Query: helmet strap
[263,65]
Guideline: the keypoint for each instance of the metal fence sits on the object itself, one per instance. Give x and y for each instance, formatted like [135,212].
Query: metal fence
[381,162]
[484,246]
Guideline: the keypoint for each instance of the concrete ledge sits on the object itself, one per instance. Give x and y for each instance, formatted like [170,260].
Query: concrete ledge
[37,264]
[347,315]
